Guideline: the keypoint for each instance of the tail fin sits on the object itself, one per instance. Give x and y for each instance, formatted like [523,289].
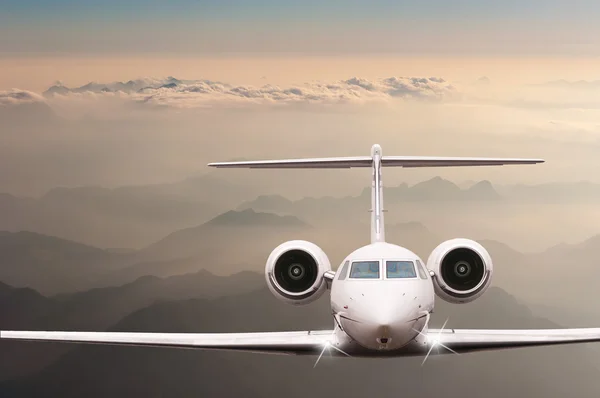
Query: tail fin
[376,161]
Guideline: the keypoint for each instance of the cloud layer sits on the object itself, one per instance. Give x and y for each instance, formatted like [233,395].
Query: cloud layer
[173,92]
[18,97]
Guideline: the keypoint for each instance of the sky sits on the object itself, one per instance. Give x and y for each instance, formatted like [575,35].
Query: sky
[316,27]
[283,78]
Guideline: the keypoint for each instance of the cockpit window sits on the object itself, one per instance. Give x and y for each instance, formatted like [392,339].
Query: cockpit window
[400,269]
[365,270]
[421,269]
[344,271]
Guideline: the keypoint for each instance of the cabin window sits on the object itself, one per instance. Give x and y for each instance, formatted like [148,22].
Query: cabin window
[400,269]
[422,271]
[365,270]
[344,271]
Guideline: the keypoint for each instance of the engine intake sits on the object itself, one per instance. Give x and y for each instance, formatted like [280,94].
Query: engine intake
[294,272]
[463,270]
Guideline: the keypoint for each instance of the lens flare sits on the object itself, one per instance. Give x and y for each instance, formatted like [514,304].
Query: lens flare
[435,341]
[327,346]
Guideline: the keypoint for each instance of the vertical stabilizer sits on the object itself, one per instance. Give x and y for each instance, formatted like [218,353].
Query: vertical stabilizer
[377,227]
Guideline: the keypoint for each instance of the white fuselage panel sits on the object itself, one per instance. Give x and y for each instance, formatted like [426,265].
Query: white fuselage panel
[379,311]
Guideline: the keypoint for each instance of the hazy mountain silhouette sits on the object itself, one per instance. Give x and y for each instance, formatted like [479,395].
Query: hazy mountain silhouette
[413,235]
[482,190]
[112,303]
[440,189]
[22,307]
[136,216]
[131,86]
[252,234]
[5,289]
[52,265]
[249,217]
[242,240]
[164,268]
[49,264]
[580,84]
[128,216]
[553,192]
[97,309]
[276,203]
[435,189]
[575,268]
[122,371]
[26,309]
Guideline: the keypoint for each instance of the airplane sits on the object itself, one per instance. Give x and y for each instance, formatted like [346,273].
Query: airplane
[382,295]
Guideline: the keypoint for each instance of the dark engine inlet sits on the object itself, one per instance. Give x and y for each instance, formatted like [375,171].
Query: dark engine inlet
[462,269]
[296,271]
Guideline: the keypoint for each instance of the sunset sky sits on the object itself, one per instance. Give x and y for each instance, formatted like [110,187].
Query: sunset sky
[246,42]
[297,79]
[188,27]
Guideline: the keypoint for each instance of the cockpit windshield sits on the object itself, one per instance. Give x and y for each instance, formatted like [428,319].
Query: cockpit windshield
[365,270]
[400,269]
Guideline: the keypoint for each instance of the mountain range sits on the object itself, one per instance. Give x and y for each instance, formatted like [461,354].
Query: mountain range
[96,371]
[129,216]
[242,240]
[131,86]
[98,309]
[136,216]
[52,265]
[104,289]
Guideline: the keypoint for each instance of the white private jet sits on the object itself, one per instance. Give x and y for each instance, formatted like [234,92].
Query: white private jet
[382,294]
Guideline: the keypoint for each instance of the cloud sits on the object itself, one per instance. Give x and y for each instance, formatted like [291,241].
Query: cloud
[19,97]
[172,92]
[580,84]
[483,81]
[22,108]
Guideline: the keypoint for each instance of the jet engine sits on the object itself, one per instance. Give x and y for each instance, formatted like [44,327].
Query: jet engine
[462,268]
[295,270]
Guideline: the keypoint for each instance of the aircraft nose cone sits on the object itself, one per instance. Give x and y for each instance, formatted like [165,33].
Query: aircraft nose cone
[387,336]
[383,332]
[382,318]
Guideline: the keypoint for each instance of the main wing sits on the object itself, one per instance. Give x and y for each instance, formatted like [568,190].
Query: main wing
[312,342]
[305,342]
[469,340]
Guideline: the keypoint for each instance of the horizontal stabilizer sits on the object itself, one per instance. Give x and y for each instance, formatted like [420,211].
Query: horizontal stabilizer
[367,161]
[316,163]
[434,161]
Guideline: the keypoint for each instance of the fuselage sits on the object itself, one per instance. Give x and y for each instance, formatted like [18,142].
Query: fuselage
[381,297]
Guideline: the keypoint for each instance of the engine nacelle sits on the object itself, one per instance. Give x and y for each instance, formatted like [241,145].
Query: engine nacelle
[295,270]
[463,270]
